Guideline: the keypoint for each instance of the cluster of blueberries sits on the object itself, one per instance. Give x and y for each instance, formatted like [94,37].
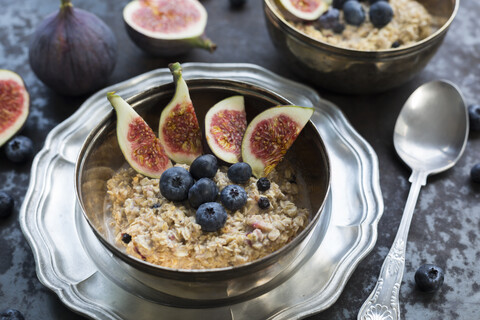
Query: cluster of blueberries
[197,186]
[380,14]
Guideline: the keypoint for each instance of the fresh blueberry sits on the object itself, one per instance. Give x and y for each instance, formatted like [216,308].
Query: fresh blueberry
[239,172]
[237,3]
[381,13]
[353,12]
[175,183]
[338,28]
[329,19]
[474,115]
[204,190]
[11,314]
[263,184]
[19,149]
[338,4]
[126,238]
[205,166]
[429,277]
[6,204]
[396,44]
[475,173]
[233,197]
[263,203]
[211,216]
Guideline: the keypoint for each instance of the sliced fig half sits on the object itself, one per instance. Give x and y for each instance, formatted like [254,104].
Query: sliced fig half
[166,27]
[14,104]
[309,10]
[225,124]
[178,130]
[270,134]
[141,148]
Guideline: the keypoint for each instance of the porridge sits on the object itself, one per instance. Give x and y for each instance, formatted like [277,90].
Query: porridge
[165,233]
[410,23]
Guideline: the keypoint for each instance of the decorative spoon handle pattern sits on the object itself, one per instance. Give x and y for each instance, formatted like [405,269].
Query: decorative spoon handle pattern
[383,302]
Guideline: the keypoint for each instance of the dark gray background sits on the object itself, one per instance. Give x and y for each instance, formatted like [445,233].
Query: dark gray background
[447,217]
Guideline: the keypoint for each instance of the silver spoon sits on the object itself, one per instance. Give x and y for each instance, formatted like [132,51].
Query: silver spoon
[430,136]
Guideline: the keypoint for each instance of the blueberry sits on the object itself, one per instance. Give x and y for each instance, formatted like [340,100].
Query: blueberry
[429,277]
[338,28]
[211,216]
[263,184]
[353,12]
[239,172]
[11,314]
[475,173]
[19,149]
[474,116]
[338,4]
[126,238]
[263,203]
[204,190]
[175,183]
[329,19]
[237,3]
[6,204]
[205,166]
[396,44]
[233,197]
[381,13]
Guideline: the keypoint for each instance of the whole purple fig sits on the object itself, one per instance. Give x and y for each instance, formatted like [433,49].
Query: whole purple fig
[72,51]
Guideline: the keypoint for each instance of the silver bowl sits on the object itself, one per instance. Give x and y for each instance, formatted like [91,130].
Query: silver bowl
[100,157]
[353,71]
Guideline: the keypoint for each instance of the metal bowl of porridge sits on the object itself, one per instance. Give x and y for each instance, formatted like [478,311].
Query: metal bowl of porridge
[359,69]
[100,159]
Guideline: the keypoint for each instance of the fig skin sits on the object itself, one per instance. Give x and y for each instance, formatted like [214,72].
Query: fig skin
[73,51]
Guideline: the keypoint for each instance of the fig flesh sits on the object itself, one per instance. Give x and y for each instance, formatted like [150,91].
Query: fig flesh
[179,131]
[225,124]
[269,136]
[73,52]
[166,27]
[308,10]
[136,139]
[14,104]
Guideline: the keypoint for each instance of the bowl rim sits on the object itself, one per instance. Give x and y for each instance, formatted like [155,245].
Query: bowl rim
[391,52]
[196,274]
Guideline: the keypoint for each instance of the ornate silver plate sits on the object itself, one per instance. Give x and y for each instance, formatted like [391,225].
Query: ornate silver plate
[71,262]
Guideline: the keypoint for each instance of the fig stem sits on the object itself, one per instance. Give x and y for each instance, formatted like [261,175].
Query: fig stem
[66,3]
[203,42]
[176,70]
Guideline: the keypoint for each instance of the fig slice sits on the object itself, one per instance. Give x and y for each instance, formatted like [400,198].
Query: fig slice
[166,27]
[179,131]
[225,124]
[14,104]
[308,10]
[270,134]
[139,145]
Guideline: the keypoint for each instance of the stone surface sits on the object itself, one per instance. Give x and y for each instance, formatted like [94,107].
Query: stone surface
[447,217]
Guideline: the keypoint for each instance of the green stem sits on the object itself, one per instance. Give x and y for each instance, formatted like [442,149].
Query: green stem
[66,3]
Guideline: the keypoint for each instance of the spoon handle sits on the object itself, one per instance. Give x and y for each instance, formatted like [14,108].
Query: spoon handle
[383,302]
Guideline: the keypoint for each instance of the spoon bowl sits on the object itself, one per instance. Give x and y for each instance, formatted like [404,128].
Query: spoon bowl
[430,136]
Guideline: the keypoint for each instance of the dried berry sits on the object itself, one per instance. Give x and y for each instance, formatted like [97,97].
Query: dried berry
[263,184]
[263,203]
[126,238]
